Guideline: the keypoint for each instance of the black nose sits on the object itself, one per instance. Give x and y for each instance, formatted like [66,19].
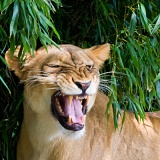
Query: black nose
[83,86]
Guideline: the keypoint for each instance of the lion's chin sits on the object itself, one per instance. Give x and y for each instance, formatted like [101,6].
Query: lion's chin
[70,110]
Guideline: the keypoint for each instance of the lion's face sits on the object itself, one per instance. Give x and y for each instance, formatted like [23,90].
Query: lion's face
[68,77]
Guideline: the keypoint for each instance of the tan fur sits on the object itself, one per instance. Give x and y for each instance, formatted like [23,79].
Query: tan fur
[43,138]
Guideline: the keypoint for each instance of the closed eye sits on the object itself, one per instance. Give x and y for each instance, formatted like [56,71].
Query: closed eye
[89,66]
[53,66]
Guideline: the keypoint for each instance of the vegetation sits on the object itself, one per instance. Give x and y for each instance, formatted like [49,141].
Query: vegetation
[132,27]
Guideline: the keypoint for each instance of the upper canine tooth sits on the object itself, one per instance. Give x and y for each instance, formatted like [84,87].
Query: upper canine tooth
[87,100]
[70,100]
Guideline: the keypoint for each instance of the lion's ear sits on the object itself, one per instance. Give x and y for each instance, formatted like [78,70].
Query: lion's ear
[14,64]
[99,53]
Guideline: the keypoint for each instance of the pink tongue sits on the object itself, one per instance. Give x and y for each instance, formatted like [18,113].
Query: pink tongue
[74,110]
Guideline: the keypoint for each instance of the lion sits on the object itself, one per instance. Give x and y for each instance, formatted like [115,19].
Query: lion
[64,112]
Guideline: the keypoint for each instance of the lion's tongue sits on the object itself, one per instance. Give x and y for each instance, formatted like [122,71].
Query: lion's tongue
[72,107]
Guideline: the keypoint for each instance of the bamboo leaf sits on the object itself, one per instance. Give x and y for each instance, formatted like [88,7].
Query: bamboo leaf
[133,54]
[143,16]
[114,87]
[3,60]
[157,77]
[117,50]
[12,45]
[133,23]
[157,25]
[4,83]
[139,108]
[46,20]
[135,110]
[4,4]
[141,95]
[132,76]
[14,20]
[25,17]
[130,86]
[158,88]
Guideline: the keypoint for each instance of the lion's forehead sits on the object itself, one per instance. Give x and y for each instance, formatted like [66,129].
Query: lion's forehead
[73,57]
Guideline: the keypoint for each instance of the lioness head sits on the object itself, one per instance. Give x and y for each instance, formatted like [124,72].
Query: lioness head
[61,83]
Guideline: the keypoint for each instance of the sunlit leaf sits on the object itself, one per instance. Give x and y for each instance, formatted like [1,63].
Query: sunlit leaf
[133,23]
[157,25]
[157,78]
[13,24]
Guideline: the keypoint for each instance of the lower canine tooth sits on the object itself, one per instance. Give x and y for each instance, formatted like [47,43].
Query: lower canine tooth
[83,119]
[69,120]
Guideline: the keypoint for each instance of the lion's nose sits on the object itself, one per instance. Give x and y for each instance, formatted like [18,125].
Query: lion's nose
[83,86]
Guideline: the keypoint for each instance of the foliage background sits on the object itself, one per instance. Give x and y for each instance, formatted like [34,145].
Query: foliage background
[132,27]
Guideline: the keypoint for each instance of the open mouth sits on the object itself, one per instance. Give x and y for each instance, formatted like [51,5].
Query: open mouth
[70,110]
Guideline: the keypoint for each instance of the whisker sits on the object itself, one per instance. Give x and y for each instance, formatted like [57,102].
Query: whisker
[112,72]
[39,72]
[105,88]
[53,88]
[58,94]
[105,80]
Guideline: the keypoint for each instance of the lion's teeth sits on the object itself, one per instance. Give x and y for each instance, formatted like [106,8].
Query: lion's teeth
[83,119]
[69,120]
[59,107]
[70,100]
[57,101]
[87,100]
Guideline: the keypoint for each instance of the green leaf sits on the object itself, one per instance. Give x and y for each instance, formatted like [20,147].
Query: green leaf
[158,88]
[133,23]
[157,77]
[141,95]
[139,107]
[157,25]
[130,86]
[49,23]
[25,16]
[114,87]
[117,50]
[133,54]
[135,110]
[4,83]
[12,45]
[143,16]
[3,60]
[133,78]
[14,20]
[4,4]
